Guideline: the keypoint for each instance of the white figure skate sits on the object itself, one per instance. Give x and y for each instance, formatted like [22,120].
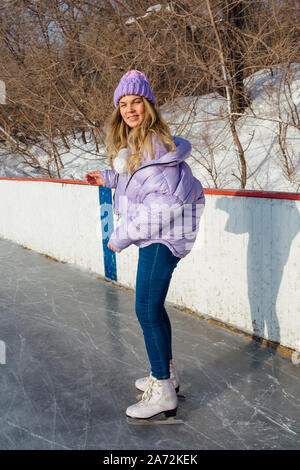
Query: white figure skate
[141,384]
[159,397]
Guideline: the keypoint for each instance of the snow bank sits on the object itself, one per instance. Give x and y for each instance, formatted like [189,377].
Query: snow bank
[275,96]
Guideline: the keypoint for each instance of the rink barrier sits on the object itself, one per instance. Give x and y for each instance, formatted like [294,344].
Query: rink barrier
[216,281]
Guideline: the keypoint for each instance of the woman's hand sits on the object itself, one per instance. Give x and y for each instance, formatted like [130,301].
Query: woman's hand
[94,177]
[111,248]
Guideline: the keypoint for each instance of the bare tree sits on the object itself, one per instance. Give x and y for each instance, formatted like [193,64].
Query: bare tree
[61,60]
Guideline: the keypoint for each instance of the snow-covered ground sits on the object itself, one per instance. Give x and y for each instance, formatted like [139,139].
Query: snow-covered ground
[214,157]
[201,120]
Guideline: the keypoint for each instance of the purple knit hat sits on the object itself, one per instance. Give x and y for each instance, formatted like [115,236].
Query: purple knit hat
[133,82]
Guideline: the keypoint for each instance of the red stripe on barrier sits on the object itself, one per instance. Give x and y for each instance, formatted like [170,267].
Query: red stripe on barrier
[253,193]
[216,192]
[50,180]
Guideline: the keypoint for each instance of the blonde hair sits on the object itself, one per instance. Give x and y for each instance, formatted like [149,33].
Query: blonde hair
[120,135]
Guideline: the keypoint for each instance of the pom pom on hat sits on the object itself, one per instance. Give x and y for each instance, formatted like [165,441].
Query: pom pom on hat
[133,82]
[120,162]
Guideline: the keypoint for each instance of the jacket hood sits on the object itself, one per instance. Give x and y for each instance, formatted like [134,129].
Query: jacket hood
[182,151]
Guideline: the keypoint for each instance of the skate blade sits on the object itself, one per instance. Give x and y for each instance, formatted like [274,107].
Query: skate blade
[153,422]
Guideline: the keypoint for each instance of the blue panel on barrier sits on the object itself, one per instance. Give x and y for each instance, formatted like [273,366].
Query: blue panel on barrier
[107,227]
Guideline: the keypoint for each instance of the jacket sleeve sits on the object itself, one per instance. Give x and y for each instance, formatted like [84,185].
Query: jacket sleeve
[148,220]
[109,178]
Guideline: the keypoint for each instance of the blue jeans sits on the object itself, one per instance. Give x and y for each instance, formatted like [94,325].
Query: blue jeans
[155,268]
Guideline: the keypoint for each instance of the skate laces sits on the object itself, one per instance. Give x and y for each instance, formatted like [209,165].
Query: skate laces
[149,389]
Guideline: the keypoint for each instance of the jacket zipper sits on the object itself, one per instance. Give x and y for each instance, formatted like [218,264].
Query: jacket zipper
[150,164]
[115,194]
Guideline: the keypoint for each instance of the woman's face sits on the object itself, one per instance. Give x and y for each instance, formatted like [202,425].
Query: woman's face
[132,110]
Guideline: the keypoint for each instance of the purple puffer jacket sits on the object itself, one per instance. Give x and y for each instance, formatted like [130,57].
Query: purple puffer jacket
[161,202]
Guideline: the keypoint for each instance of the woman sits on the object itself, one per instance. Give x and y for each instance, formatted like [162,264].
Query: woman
[160,203]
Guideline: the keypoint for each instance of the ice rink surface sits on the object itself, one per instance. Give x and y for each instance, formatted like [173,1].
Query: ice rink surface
[71,349]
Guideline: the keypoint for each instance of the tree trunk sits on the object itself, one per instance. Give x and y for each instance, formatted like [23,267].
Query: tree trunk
[235,12]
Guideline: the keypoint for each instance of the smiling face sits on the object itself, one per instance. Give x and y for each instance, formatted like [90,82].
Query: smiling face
[132,110]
